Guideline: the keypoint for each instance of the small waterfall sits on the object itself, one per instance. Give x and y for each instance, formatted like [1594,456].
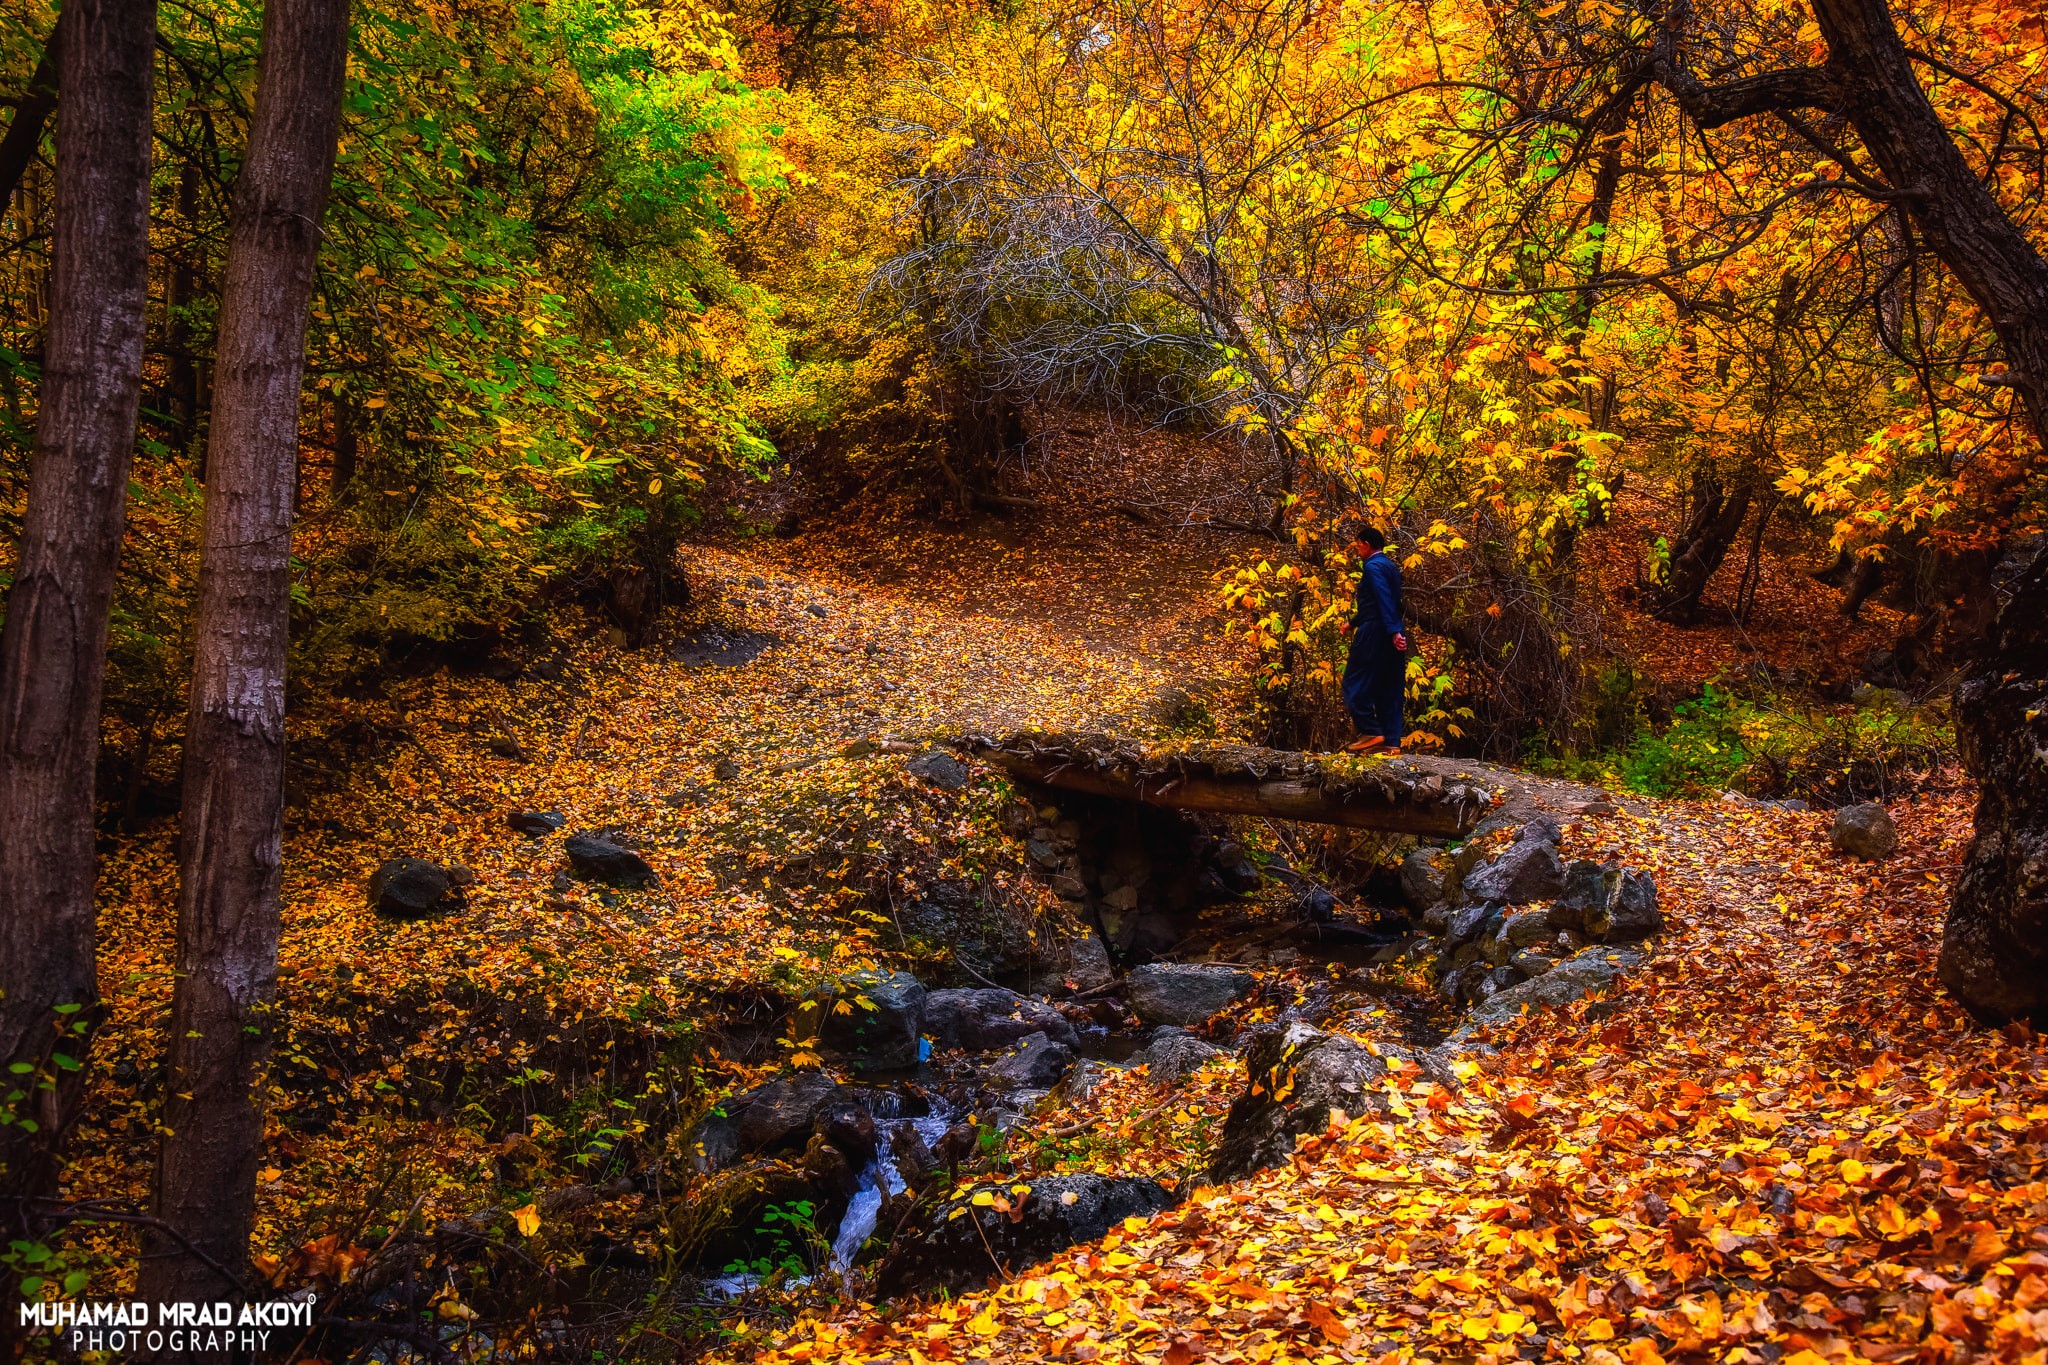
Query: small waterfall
[878,1182]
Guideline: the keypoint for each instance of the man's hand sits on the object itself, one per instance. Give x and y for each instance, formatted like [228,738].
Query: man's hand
[1401,641]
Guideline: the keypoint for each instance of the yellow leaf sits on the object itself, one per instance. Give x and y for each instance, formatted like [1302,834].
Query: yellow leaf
[527,1219]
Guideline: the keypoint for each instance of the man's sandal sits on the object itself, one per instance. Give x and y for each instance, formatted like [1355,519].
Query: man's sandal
[1364,744]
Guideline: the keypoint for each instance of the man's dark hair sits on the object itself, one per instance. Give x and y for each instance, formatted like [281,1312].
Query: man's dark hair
[1373,536]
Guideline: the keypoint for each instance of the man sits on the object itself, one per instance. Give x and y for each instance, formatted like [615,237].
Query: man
[1376,674]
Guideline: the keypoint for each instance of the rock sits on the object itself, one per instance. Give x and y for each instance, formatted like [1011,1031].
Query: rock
[1172,1055]
[1541,830]
[941,770]
[1183,993]
[1590,972]
[844,1121]
[1794,803]
[412,888]
[817,611]
[1469,923]
[1316,905]
[1037,1064]
[1865,831]
[1526,928]
[829,1169]
[1631,915]
[1316,1073]
[882,1038]
[775,1114]
[1238,873]
[1588,887]
[602,860]
[1437,919]
[725,769]
[964,1244]
[1529,870]
[1427,877]
[536,823]
[985,1019]
[1532,964]
[1088,964]
[908,1151]
[714,1144]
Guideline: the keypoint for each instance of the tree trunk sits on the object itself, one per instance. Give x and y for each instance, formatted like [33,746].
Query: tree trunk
[1240,779]
[1994,950]
[38,102]
[54,647]
[1958,218]
[1709,532]
[228,913]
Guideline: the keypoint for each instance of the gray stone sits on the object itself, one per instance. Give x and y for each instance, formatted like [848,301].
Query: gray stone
[1529,870]
[884,1037]
[1173,1055]
[1037,1064]
[601,860]
[1437,919]
[941,769]
[985,1019]
[1469,923]
[1632,915]
[1864,831]
[1296,1076]
[1531,963]
[1588,887]
[1427,877]
[964,1244]
[1541,830]
[1591,972]
[774,1114]
[535,823]
[1183,993]
[1088,964]
[412,888]
[1526,928]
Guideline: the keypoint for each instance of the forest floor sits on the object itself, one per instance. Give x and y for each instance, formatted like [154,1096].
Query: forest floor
[1782,1142]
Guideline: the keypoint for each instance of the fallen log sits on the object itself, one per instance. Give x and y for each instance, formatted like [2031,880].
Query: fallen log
[1242,779]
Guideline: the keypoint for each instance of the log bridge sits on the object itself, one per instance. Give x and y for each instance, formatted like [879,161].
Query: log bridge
[1398,795]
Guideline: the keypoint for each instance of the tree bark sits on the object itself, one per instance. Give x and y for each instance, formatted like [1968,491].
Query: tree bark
[53,649]
[38,102]
[228,912]
[1716,519]
[1958,218]
[1994,948]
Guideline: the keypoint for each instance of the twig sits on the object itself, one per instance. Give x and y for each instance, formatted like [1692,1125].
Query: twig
[959,961]
[419,1338]
[94,1212]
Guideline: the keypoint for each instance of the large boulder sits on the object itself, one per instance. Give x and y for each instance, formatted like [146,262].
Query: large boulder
[600,860]
[985,1019]
[1528,870]
[413,888]
[1630,915]
[880,1028]
[1865,831]
[1296,1077]
[1000,1229]
[1591,971]
[1036,1064]
[1183,992]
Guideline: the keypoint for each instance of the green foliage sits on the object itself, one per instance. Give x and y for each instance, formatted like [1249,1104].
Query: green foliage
[1763,745]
